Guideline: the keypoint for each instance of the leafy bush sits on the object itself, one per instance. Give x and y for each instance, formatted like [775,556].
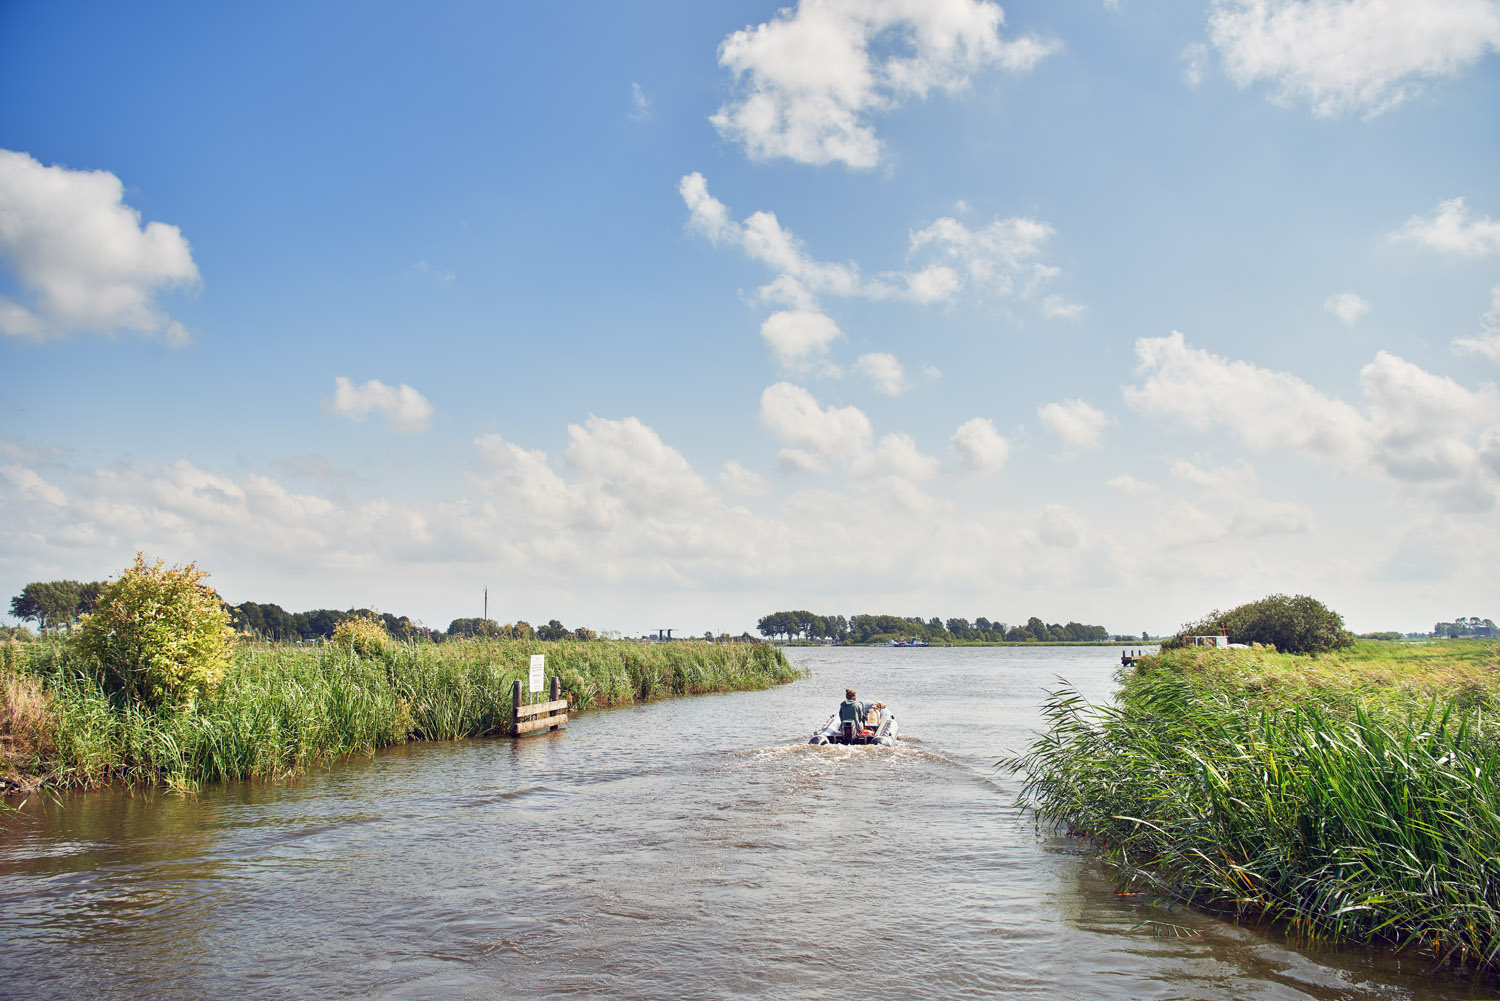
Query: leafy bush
[1292,625]
[363,635]
[161,637]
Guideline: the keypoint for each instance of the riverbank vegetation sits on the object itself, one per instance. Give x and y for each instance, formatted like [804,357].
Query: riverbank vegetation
[279,708]
[876,629]
[1351,796]
[154,687]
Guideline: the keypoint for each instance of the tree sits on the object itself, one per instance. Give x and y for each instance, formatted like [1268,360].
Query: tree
[1298,624]
[53,604]
[161,636]
[553,631]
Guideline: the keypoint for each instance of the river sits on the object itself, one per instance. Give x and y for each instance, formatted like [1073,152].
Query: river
[692,848]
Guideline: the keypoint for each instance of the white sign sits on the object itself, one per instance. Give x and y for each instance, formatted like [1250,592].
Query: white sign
[538,668]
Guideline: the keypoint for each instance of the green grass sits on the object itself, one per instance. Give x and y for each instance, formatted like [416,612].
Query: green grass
[1352,797]
[281,709]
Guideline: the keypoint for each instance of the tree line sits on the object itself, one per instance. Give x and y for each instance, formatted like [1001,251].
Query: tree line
[1461,628]
[59,604]
[879,628]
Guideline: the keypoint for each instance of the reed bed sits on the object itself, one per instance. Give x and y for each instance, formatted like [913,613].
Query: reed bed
[282,709]
[1356,814]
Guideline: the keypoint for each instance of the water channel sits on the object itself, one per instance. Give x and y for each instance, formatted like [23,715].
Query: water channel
[693,848]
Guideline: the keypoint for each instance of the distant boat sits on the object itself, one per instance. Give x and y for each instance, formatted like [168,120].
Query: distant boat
[917,641]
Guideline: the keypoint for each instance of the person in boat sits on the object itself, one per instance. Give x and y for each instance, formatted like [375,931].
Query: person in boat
[853,709]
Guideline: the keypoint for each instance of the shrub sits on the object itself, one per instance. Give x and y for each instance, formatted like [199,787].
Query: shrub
[161,637]
[1292,625]
[362,635]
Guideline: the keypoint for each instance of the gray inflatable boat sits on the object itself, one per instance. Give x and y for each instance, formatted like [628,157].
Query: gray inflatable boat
[835,732]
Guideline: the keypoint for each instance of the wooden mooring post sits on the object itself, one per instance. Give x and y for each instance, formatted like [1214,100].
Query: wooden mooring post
[539,716]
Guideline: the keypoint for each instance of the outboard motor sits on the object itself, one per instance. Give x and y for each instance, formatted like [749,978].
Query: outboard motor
[848,731]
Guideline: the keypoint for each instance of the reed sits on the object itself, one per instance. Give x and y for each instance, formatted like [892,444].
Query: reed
[1361,813]
[282,709]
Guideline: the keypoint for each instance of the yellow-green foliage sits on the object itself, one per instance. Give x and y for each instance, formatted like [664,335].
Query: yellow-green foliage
[363,635]
[160,635]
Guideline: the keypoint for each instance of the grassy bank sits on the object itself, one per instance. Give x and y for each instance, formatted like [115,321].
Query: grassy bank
[281,709]
[1352,797]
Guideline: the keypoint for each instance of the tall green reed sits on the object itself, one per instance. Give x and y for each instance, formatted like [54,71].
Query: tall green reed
[1352,825]
[283,708]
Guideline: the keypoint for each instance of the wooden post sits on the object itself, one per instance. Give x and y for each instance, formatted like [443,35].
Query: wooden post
[547,715]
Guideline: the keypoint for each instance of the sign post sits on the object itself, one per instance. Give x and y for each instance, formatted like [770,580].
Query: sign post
[538,669]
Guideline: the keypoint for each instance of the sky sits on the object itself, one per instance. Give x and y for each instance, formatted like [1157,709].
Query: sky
[673,314]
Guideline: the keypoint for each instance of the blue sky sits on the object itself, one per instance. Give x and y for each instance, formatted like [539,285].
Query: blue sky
[676,314]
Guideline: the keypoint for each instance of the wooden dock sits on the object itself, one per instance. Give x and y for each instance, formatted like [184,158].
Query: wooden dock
[538,716]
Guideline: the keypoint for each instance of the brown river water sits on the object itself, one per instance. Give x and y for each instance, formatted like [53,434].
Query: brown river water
[693,848]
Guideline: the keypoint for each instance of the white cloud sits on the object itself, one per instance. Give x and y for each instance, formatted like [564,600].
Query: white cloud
[640,103]
[1055,307]
[884,370]
[897,455]
[31,484]
[812,76]
[83,255]
[811,433]
[979,447]
[1347,306]
[1076,425]
[1486,343]
[402,407]
[1450,231]
[1420,429]
[995,256]
[1343,55]
[942,258]
[736,479]
[799,335]
[1265,409]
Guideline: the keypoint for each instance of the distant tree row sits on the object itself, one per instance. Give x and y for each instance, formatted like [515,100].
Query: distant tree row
[520,630]
[879,628]
[58,604]
[272,622]
[1466,627]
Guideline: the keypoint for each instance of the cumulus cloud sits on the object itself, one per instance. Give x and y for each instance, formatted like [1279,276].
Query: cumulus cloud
[1486,343]
[82,255]
[811,77]
[811,433]
[799,336]
[979,447]
[884,370]
[1420,429]
[402,407]
[736,479]
[1451,231]
[1076,425]
[1347,306]
[1351,55]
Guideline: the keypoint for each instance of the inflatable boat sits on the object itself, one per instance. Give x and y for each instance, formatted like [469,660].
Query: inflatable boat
[835,732]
